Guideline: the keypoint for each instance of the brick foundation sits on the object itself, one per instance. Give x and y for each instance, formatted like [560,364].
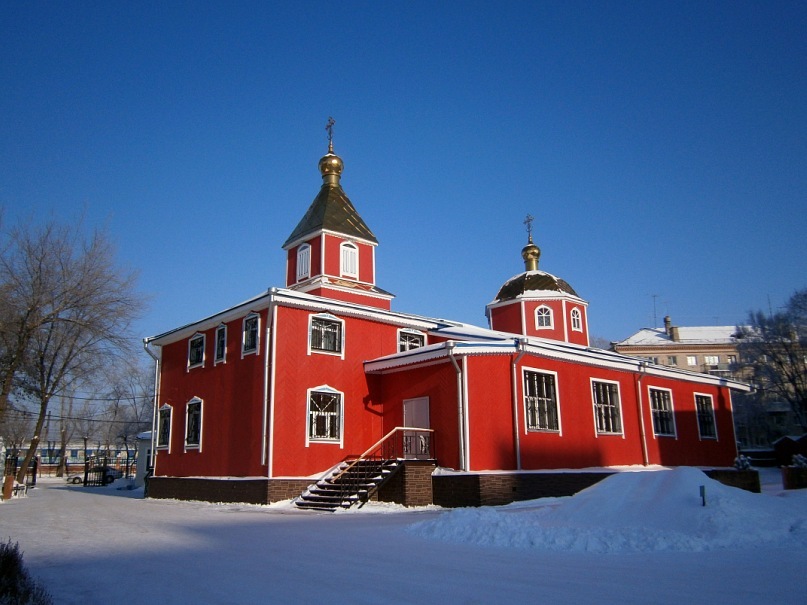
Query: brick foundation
[415,485]
[250,491]
[501,488]
[410,486]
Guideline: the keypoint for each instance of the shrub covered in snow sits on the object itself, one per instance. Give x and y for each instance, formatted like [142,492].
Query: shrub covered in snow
[799,461]
[741,463]
[16,584]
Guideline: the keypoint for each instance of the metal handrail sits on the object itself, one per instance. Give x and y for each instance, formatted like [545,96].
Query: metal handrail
[375,446]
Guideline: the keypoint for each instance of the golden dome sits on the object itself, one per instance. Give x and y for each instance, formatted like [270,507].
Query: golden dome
[331,164]
[530,253]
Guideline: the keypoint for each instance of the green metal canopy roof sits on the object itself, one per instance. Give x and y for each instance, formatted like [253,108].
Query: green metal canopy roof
[331,210]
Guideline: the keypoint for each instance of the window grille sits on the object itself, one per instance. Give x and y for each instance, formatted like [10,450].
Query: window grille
[541,402]
[606,407]
[706,417]
[661,407]
[326,335]
[324,415]
[410,340]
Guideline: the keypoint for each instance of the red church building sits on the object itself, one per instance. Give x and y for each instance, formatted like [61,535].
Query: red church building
[320,391]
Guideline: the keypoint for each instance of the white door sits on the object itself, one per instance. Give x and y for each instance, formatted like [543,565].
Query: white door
[417,444]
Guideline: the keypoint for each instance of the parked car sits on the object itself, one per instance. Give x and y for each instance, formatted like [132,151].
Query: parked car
[109,473]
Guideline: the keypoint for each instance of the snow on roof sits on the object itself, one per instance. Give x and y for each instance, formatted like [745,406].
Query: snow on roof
[686,335]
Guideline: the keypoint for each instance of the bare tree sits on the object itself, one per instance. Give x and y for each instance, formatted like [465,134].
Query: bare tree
[773,348]
[68,311]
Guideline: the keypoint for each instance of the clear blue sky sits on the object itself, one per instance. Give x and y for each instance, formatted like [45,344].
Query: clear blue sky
[661,146]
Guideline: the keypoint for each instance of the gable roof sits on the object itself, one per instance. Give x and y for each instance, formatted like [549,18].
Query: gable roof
[332,211]
[691,335]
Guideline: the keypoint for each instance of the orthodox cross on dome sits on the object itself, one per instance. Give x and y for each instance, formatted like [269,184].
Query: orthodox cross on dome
[528,222]
[329,128]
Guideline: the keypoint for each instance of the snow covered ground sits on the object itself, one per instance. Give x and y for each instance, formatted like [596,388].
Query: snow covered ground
[633,538]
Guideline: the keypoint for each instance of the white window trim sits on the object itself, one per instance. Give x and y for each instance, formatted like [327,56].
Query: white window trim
[597,431]
[344,266]
[674,434]
[244,352]
[201,364]
[325,389]
[197,447]
[528,430]
[578,316]
[413,333]
[714,417]
[332,318]
[551,316]
[303,269]
[167,446]
[216,360]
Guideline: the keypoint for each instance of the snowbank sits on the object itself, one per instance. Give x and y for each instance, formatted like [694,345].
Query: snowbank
[633,512]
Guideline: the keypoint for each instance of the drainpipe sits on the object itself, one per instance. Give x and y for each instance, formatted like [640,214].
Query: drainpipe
[642,370]
[460,407]
[266,351]
[520,352]
[155,406]
[269,396]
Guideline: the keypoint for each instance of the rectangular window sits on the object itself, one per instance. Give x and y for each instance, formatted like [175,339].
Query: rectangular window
[193,430]
[541,401]
[221,343]
[606,407]
[196,350]
[711,360]
[326,334]
[672,360]
[324,415]
[164,427]
[662,411]
[410,340]
[692,360]
[250,337]
[706,417]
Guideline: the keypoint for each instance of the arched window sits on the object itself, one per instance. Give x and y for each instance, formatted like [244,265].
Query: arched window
[577,320]
[543,318]
[303,262]
[350,260]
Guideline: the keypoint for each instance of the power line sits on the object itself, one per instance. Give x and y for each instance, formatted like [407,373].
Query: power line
[31,415]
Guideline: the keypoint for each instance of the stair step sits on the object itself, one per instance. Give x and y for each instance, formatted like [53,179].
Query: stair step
[351,487]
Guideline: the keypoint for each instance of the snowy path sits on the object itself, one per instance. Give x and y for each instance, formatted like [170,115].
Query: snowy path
[101,545]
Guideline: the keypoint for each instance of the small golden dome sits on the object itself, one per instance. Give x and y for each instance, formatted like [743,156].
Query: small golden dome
[531,253]
[331,164]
